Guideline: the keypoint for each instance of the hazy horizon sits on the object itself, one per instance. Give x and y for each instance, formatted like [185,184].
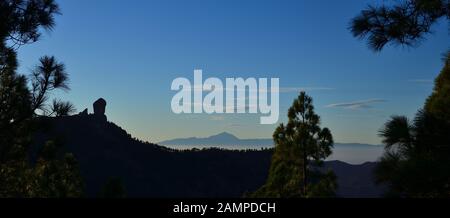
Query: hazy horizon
[345,152]
[267,138]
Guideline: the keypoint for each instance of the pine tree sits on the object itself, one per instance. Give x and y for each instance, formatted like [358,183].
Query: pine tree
[301,147]
[404,23]
[21,106]
[417,158]
[416,162]
[439,102]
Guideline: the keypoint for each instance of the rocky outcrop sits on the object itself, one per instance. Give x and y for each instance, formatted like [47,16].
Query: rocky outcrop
[100,109]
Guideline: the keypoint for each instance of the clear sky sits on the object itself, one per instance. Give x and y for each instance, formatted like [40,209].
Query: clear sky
[128,52]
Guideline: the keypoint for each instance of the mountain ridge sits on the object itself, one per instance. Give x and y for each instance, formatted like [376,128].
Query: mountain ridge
[104,150]
[228,139]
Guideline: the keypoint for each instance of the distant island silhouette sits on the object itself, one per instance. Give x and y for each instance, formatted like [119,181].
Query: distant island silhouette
[228,139]
[222,139]
[353,153]
[104,150]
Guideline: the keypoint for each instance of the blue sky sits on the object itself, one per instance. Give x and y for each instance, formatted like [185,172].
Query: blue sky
[128,52]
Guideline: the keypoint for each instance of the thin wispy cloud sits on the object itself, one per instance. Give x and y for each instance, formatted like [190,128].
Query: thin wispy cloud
[363,104]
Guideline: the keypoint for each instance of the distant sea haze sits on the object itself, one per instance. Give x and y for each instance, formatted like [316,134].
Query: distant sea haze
[351,153]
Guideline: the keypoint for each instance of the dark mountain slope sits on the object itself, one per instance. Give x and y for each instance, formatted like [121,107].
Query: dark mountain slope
[104,150]
[355,180]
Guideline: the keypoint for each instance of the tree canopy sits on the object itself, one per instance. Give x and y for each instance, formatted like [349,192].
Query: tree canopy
[21,106]
[417,158]
[404,22]
[301,147]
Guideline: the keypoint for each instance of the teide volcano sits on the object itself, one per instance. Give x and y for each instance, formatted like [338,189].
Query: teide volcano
[104,151]
[222,139]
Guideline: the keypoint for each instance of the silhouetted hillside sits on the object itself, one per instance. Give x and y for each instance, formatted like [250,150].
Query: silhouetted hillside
[355,181]
[104,150]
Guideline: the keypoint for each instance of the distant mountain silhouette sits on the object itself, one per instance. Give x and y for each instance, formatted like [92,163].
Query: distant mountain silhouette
[229,140]
[104,150]
[223,139]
